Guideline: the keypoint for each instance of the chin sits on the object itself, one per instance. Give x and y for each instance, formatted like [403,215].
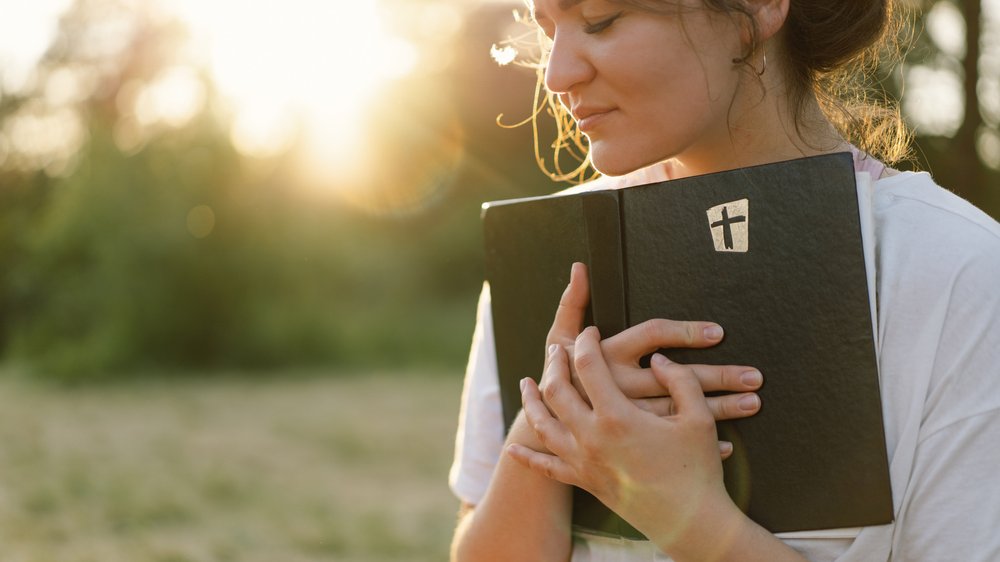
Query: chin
[611,164]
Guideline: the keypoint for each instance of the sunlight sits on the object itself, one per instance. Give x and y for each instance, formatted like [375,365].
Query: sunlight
[298,67]
[26,29]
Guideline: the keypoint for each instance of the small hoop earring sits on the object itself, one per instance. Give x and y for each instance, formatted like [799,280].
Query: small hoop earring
[746,60]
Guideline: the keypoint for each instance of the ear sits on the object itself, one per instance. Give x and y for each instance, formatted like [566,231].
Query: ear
[769,15]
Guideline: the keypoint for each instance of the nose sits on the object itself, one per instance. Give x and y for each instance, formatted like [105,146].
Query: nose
[568,64]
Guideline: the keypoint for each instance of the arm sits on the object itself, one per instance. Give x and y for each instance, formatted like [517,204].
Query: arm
[950,506]
[523,516]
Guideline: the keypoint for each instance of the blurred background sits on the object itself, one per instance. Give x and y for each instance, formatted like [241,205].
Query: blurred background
[240,254]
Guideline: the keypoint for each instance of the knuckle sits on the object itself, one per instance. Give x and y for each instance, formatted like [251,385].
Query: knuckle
[610,424]
[703,422]
[690,333]
[549,392]
[648,330]
[725,378]
[543,466]
[585,360]
[654,330]
[672,372]
[543,436]
[590,448]
[671,407]
[725,409]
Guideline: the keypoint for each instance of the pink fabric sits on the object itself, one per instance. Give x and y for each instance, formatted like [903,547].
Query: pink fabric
[864,162]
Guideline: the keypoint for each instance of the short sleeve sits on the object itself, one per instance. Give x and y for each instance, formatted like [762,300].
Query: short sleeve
[952,506]
[480,436]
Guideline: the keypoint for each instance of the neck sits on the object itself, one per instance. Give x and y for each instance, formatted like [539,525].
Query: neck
[763,127]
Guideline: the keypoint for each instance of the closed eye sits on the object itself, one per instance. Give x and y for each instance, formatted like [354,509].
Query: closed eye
[601,25]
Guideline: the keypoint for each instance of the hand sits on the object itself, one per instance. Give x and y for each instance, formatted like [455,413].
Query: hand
[663,474]
[624,351]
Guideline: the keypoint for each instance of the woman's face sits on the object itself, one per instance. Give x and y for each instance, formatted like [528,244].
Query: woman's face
[644,86]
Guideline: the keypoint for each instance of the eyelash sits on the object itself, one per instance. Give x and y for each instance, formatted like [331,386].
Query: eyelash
[600,26]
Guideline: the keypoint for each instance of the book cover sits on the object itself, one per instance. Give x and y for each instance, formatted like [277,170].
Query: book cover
[772,253]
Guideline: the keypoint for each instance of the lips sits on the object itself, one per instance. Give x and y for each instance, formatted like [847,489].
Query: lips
[589,117]
[582,112]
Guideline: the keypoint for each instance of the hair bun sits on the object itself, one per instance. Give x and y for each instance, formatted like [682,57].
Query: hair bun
[831,33]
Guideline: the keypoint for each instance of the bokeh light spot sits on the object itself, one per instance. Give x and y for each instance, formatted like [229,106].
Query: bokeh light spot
[934,104]
[175,96]
[201,221]
[988,146]
[946,27]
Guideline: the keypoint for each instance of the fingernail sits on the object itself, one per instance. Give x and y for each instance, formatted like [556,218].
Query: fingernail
[752,378]
[658,359]
[725,447]
[524,383]
[713,332]
[749,403]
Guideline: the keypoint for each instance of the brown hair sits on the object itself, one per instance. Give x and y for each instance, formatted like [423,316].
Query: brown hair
[832,50]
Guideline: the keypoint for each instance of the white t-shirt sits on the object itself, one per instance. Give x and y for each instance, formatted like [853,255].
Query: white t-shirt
[937,268]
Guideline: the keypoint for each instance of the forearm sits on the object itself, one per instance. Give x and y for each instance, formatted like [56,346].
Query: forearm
[524,516]
[721,533]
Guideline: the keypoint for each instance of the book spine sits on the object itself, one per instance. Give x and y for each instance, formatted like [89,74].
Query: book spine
[602,216]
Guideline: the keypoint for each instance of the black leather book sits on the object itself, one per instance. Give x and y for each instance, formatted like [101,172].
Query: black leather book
[772,253]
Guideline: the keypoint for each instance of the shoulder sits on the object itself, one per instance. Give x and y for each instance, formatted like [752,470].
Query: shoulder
[938,261]
[922,225]
[915,203]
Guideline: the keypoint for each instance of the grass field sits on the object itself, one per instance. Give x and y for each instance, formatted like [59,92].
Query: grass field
[281,470]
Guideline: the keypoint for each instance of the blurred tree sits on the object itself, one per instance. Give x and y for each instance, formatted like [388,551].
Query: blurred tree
[954,41]
[149,242]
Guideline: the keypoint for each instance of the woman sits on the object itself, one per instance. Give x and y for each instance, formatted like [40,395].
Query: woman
[669,89]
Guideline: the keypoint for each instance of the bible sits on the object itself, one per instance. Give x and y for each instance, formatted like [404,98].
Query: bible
[772,253]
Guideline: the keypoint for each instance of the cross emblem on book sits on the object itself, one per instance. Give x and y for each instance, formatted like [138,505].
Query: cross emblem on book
[730,226]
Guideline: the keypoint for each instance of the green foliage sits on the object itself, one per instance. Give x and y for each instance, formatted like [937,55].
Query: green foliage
[159,247]
[110,277]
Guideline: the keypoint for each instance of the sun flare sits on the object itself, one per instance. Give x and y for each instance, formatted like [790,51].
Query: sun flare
[298,67]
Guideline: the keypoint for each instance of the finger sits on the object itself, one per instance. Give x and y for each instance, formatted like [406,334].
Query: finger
[550,431]
[684,387]
[651,335]
[572,309]
[641,383]
[558,392]
[734,406]
[550,466]
[729,407]
[594,374]
[725,449]
[732,378]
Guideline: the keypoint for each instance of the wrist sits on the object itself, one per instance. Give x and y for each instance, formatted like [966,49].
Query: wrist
[720,531]
[707,533]
[522,434]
